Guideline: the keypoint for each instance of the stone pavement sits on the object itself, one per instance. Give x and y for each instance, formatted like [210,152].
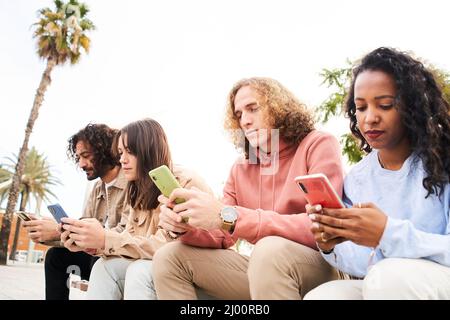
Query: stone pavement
[21,281]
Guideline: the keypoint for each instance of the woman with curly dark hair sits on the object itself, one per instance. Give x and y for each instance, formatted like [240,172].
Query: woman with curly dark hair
[398,196]
[261,204]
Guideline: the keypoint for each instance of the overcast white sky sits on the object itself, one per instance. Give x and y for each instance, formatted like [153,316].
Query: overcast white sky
[175,61]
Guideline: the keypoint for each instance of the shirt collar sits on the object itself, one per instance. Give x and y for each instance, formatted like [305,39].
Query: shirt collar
[120,183]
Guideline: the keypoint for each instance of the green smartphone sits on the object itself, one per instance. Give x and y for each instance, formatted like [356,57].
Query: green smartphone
[165,181]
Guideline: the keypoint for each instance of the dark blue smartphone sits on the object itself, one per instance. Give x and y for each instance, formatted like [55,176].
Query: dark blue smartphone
[57,212]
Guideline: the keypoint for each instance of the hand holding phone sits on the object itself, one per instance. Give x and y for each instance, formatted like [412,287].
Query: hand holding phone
[23,216]
[317,189]
[57,212]
[166,182]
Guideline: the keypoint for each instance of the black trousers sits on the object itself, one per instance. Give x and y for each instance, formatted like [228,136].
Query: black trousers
[59,263]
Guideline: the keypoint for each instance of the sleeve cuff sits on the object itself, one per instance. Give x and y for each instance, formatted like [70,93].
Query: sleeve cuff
[53,243]
[391,237]
[112,242]
[247,224]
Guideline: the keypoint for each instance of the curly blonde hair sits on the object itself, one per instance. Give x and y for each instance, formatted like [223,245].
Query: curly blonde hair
[281,110]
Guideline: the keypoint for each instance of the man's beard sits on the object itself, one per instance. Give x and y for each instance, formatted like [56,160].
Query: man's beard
[95,173]
[98,172]
[91,173]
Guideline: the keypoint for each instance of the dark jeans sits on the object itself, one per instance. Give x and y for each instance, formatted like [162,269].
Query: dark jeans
[59,263]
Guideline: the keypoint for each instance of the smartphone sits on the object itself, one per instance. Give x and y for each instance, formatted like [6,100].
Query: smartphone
[317,189]
[23,215]
[165,181]
[57,212]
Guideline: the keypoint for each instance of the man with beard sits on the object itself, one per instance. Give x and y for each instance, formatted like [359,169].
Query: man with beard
[90,148]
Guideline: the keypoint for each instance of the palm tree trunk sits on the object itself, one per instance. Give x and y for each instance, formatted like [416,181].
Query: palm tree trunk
[12,255]
[13,193]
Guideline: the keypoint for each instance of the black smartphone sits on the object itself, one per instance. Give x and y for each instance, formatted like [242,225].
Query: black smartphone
[23,215]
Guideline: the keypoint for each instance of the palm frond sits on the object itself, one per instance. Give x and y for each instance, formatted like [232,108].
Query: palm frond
[53,16]
[85,42]
[58,4]
[87,25]
[43,11]
[36,179]
[44,42]
[61,33]
[75,57]
[84,9]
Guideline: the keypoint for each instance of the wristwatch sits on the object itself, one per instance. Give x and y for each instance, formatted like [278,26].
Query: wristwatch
[229,216]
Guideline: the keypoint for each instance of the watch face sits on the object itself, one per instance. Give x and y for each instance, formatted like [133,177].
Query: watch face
[229,214]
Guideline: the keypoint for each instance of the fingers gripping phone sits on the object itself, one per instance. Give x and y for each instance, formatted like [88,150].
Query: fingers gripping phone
[317,189]
[57,212]
[166,183]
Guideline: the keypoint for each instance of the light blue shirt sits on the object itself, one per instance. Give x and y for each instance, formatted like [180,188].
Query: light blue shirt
[416,228]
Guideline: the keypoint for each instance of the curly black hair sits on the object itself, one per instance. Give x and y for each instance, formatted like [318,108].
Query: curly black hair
[423,109]
[100,137]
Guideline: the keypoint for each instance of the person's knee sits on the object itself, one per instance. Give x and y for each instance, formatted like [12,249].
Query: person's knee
[268,256]
[386,279]
[50,257]
[139,281]
[268,253]
[269,248]
[326,291]
[166,258]
[336,290]
[52,254]
[55,258]
[140,271]
[98,269]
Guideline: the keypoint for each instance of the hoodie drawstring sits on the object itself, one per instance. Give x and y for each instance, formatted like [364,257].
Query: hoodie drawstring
[273,163]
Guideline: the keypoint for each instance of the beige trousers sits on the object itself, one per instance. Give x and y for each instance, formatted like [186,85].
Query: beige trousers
[392,278]
[277,269]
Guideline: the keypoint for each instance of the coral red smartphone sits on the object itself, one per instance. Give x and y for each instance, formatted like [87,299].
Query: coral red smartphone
[317,189]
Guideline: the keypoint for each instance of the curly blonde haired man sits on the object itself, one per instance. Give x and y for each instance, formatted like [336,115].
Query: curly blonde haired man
[261,204]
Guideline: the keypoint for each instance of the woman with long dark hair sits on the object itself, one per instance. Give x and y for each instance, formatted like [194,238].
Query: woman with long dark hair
[142,146]
[395,234]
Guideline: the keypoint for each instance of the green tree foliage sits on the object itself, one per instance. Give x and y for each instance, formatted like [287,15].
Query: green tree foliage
[35,181]
[37,178]
[339,81]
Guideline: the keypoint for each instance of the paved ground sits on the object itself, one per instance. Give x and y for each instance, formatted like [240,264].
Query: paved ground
[21,281]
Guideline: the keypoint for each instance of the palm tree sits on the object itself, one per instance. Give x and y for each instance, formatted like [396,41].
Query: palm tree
[61,34]
[36,180]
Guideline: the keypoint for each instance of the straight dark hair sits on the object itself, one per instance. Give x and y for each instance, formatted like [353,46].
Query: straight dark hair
[147,141]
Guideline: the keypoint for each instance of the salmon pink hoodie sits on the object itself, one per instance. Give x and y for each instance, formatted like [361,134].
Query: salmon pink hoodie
[272,204]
